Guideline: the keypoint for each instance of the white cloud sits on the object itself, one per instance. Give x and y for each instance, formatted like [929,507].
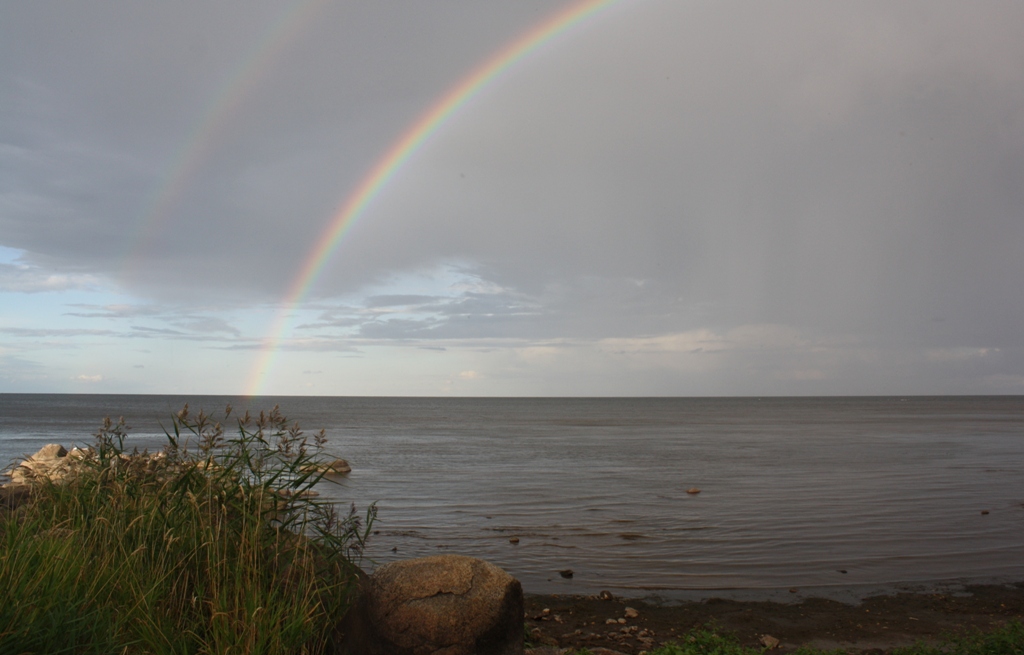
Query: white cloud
[89,378]
[704,341]
[15,278]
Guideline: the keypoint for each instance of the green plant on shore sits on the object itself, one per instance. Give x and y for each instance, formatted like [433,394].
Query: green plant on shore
[706,641]
[1004,640]
[215,545]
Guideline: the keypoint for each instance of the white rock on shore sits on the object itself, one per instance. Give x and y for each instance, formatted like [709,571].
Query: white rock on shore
[49,462]
[53,462]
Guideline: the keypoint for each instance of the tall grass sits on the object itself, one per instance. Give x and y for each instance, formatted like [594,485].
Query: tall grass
[215,545]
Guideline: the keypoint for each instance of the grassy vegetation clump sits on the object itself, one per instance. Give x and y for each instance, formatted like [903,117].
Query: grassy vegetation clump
[214,545]
[1005,640]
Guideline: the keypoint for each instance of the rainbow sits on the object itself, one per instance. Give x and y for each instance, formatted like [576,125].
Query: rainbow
[189,157]
[397,155]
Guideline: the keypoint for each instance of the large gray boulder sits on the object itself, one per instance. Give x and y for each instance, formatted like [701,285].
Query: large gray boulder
[441,605]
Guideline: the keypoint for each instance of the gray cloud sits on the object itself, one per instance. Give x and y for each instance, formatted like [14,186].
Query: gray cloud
[144,331]
[394,300]
[54,332]
[188,320]
[210,324]
[134,332]
[845,173]
[465,313]
[113,171]
[115,311]
[315,344]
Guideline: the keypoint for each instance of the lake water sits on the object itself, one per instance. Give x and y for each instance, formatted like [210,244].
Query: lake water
[828,495]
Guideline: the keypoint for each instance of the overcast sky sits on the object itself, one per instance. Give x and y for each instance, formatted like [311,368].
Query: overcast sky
[669,198]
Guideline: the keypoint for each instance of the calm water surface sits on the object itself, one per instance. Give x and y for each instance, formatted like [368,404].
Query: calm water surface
[794,491]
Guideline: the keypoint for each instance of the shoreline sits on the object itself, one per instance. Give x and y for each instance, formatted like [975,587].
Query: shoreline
[849,594]
[875,624]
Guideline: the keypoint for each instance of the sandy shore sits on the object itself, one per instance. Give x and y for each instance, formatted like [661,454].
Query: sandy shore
[876,624]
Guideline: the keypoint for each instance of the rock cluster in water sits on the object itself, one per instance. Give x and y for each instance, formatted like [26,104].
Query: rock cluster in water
[51,462]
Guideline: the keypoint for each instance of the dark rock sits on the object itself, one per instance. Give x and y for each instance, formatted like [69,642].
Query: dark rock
[567,573]
[14,496]
[769,642]
[537,636]
[440,605]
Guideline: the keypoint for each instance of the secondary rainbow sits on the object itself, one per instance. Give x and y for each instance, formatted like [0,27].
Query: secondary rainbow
[399,153]
[188,159]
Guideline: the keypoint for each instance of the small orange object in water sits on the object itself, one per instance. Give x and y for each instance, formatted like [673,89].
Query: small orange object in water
[693,490]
